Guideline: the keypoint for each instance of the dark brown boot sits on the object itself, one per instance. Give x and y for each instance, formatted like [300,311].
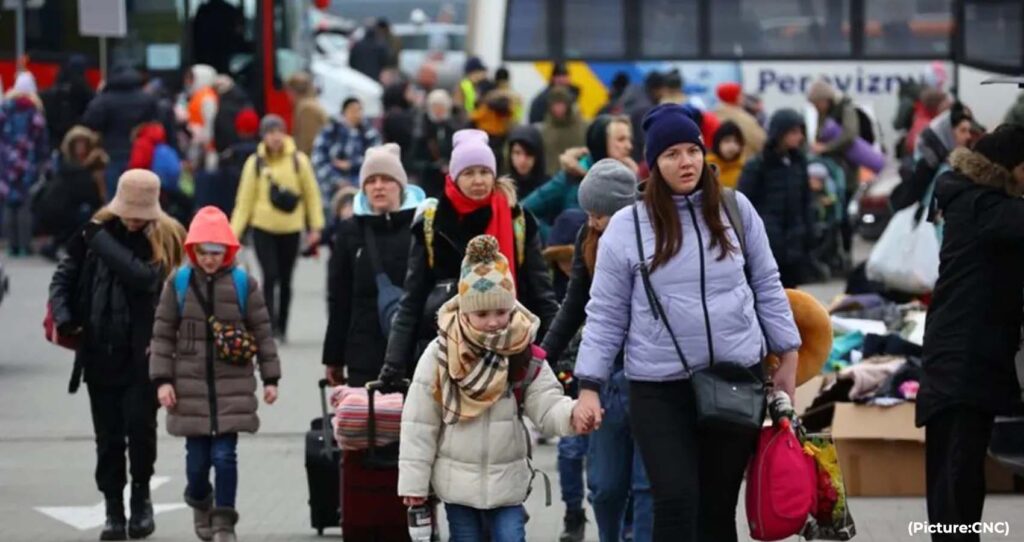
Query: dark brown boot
[201,516]
[223,521]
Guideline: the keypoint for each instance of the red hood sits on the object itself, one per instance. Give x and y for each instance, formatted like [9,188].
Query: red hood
[211,226]
[153,131]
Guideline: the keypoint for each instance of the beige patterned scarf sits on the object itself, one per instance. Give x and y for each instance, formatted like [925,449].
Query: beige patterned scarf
[472,365]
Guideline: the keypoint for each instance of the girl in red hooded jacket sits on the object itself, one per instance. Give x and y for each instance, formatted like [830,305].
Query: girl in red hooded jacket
[211,326]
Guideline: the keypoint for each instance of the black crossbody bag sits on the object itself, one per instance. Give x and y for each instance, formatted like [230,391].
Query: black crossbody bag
[729,395]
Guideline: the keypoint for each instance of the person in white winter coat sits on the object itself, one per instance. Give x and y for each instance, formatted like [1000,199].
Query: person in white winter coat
[462,426]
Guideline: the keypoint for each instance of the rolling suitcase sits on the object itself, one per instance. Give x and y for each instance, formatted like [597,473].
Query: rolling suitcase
[371,510]
[323,461]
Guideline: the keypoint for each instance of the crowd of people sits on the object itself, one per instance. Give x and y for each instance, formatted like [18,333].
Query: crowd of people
[462,233]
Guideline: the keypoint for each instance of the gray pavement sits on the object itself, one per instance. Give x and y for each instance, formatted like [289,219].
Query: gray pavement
[46,449]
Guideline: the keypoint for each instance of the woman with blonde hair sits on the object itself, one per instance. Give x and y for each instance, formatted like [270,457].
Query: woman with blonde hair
[104,293]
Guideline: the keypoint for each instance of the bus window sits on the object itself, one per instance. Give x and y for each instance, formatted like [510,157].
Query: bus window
[594,29]
[287,31]
[153,40]
[222,34]
[51,31]
[526,30]
[1001,19]
[781,28]
[668,28]
[901,28]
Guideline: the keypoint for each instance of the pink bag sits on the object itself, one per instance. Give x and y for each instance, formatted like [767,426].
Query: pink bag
[781,485]
[351,413]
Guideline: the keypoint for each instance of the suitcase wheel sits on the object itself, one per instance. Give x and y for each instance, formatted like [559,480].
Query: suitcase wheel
[319,531]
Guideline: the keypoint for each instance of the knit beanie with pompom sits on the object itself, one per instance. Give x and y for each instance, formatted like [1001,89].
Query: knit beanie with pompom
[485,282]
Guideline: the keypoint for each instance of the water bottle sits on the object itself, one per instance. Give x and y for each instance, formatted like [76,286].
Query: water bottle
[420,523]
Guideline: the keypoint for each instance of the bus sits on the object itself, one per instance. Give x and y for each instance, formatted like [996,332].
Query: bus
[260,44]
[774,48]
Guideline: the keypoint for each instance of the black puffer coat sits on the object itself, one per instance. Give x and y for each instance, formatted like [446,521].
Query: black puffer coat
[427,288]
[776,183]
[118,110]
[354,337]
[973,329]
[529,137]
[109,288]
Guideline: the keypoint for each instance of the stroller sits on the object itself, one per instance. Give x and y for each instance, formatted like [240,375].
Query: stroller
[828,257]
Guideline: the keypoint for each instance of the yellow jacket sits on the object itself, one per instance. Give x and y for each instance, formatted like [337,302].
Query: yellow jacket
[290,169]
[728,172]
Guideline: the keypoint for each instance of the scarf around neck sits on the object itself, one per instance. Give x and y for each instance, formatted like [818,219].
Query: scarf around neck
[500,226]
[472,365]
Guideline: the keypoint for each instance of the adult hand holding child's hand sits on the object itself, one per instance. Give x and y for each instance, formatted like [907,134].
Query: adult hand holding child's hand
[587,414]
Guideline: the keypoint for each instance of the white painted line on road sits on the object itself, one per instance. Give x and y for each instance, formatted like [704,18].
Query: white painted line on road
[85,518]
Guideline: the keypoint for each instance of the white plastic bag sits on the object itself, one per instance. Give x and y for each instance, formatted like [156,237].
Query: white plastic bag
[906,257]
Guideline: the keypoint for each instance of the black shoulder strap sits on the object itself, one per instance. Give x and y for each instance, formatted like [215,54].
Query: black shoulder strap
[206,304]
[645,273]
[371,249]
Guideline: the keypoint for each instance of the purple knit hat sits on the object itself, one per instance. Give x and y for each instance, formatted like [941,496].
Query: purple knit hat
[471,149]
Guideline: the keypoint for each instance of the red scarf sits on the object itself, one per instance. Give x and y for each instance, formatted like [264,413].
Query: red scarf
[501,218]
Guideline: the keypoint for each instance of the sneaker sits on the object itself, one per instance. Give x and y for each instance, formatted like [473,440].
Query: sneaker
[575,524]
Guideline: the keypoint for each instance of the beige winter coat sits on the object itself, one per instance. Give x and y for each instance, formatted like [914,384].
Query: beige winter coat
[179,355]
[481,463]
[754,136]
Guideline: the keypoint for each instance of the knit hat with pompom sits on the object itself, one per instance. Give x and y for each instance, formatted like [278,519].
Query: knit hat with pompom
[485,282]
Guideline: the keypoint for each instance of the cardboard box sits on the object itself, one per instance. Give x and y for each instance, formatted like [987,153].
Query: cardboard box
[882,453]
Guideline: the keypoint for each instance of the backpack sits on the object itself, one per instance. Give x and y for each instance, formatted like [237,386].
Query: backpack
[184,275]
[428,209]
[167,166]
[732,212]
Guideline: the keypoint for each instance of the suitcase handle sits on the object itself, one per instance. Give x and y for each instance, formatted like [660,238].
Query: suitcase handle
[323,384]
[371,422]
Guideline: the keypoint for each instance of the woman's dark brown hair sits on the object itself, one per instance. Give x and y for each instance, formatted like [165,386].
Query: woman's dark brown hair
[668,228]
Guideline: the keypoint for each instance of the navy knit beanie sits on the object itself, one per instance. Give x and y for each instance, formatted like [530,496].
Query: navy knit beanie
[668,125]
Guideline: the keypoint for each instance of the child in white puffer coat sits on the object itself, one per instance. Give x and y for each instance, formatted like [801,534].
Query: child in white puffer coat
[462,427]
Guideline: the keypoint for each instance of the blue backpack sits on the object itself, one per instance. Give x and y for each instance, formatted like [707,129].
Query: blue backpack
[184,275]
[167,166]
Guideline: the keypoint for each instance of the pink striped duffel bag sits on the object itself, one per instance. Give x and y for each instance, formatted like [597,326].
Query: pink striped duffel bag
[351,414]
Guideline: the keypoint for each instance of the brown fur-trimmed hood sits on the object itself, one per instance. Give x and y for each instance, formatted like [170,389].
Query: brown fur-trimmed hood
[984,172]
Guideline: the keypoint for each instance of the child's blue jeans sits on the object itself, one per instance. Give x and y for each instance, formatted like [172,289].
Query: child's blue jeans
[506,524]
[218,452]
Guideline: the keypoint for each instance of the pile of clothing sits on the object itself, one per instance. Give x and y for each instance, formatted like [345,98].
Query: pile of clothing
[876,354]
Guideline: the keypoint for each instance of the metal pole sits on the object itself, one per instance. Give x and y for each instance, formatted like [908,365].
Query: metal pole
[103,59]
[19,24]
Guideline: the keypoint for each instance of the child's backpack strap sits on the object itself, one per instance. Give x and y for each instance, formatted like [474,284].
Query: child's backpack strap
[241,280]
[537,361]
[181,280]
[532,372]
[238,275]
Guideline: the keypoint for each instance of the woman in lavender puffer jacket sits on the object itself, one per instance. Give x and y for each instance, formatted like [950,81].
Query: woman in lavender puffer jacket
[697,272]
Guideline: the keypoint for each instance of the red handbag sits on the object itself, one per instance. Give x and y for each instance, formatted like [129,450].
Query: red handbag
[781,485]
[71,342]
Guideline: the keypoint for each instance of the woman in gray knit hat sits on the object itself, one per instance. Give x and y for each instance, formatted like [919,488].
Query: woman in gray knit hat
[613,466]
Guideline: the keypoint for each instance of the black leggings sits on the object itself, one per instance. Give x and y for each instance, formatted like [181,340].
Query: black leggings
[695,473]
[123,419]
[956,445]
[277,254]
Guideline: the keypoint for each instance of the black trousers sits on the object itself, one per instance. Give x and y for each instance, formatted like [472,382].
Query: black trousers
[123,419]
[695,472]
[277,254]
[956,444]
